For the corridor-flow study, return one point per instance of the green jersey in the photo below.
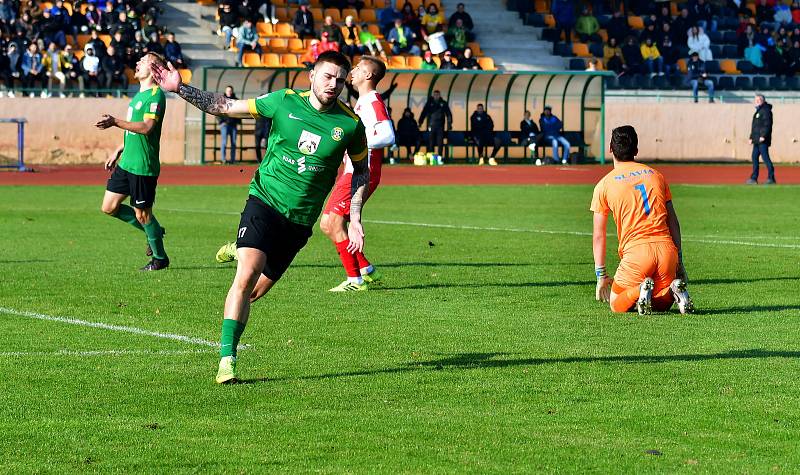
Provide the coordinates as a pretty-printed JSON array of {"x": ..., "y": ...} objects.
[
  {"x": 140, "y": 153},
  {"x": 304, "y": 151}
]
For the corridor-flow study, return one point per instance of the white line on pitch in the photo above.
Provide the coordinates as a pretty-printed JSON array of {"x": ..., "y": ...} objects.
[
  {"x": 106, "y": 326},
  {"x": 686, "y": 238},
  {"x": 104, "y": 353}
]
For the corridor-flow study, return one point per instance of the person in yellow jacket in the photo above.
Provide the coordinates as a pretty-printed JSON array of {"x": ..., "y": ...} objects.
[
  {"x": 53, "y": 63},
  {"x": 352, "y": 42},
  {"x": 652, "y": 58}
]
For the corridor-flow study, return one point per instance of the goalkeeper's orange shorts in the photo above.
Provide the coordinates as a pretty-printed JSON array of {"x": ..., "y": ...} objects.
[{"x": 657, "y": 260}]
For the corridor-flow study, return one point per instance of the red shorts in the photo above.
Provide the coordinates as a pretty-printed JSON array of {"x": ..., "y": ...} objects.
[{"x": 339, "y": 200}]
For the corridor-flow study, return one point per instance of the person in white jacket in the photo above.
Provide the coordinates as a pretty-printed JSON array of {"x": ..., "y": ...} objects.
[{"x": 699, "y": 43}]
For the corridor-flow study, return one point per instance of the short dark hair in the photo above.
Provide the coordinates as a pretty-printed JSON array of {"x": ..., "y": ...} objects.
[
  {"x": 378, "y": 67},
  {"x": 334, "y": 57},
  {"x": 624, "y": 143}
]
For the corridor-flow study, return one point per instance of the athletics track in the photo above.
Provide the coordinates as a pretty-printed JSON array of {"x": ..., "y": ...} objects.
[{"x": 410, "y": 175}]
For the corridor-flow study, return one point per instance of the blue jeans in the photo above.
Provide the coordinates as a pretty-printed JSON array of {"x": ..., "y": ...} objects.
[
  {"x": 655, "y": 65},
  {"x": 763, "y": 150},
  {"x": 242, "y": 46},
  {"x": 707, "y": 82},
  {"x": 228, "y": 131},
  {"x": 703, "y": 24},
  {"x": 228, "y": 35},
  {"x": 555, "y": 141}
]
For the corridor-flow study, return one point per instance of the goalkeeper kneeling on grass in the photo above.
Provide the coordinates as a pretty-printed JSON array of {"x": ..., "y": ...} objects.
[{"x": 651, "y": 275}]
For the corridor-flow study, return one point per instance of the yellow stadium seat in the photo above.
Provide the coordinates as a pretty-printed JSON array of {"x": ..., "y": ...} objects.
[
  {"x": 350, "y": 12},
  {"x": 264, "y": 29},
  {"x": 604, "y": 35},
  {"x": 486, "y": 63},
  {"x": 540, "y": 6},
  {"x": 105, "y": 38},
  {"x": 397, "y": 62},
  {"x": 285, "y": 30},
  {"x": 581, "y": 50},
  {"x": 414, "y": 62},
  {"x": 280, "y": 3},
  {"x": 682, "y": 65},
  {"x": 68, "y": 6},
  {"x": 296, "y": 45},
  {"x": 186, "y": 75},
  {"x": 278, "y": 45},
  {"x": 283, "y": 14},
  {"x": 289, "y": 60},
  {"x": 476, "y": 48},
  {"x": 264, "y": 42},
  {"x": 375, "y": 30},
  {"x": 549, "y": 20},
  {"x": 728, "y": 66},
  {"x": 318, "y": 16},
  {"x": 368, "y": 15},
  {"x": 333, "y": 13},
  {"x": 636, "y": 22},
  {"x": 437, "y": 60},
  {"x": 271, "y": 60},
  {"x": 84, "y": 7},
  {"x": 251, "y": 60}
]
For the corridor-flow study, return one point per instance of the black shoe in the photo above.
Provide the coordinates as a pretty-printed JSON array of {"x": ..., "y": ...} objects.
[
  {"x": 149, "y": 252},
  {"x": 156, "y": 264},
  {"x": 770, "y": 182}
]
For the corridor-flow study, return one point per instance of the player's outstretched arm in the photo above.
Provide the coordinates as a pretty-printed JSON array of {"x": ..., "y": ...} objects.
[
  {"x": 675, "y": 231},
  {"x": 142, "y": 128},
  {"x": 358, "y": 189},
  {"x": 169, "y": 79},
  {"x": 602, "y": 291}
]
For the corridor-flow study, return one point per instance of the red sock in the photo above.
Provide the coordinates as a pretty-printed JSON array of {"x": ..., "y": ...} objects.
[
  {"x": 362, "y": 260},
  {"x": 349, "y": 260}
]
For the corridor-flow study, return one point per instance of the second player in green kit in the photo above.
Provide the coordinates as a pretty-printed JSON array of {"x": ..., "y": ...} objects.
[{"x": 311, "y": 132}]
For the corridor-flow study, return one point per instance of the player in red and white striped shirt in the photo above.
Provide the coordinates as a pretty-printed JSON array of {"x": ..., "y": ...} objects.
[{"x": 380, "y": 133}]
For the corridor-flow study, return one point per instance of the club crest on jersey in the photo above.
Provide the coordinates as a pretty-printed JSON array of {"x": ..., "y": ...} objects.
[
  {"x": 337, "y": 133},
  {"x": 308, "y": 143},
  {"x": 138, "y": 105}
]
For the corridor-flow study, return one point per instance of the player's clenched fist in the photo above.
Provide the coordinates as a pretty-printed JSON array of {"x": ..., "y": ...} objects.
[{"x": 603, "y": 290}]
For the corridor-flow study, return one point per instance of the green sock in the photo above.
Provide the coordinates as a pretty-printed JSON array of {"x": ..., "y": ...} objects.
[
  {"x": 154, "y": 238},
  {"x": 127, "y": 214},
  {"x": 231, "y": 332}
]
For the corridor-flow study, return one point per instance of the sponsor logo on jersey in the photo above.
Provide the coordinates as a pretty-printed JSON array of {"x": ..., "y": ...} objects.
[
  {"x": 154, "y": 107},
  {"x": 301, "y": 164},
  {"x": 294, "y": 117},
  {"x": 337, "y": 133},
  {"x": 308, "y": 143},
  {"x": 138, "y": 105}
]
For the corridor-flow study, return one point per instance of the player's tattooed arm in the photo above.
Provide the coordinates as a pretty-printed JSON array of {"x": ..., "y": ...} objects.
[
  {"x": 213, "y": 103},
  {"x": 360, "y": 182}
]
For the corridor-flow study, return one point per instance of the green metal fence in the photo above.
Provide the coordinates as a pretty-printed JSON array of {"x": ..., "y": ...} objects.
[{"x": 576, "y": 97}]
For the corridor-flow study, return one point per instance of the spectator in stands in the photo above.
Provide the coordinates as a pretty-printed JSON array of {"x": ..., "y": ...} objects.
[
  {"x": 369, "y": 41},
  {"x": 612, "y": 56},
  {"x": 402, "y": 39},
  {"x": 761, "y": 139},
  {"x": 796, "y": 12},
  {"x": 702, "y": 15},
  {"x": 773, "y": 61},
  {"x": 551, "y": 126},
  {"x": 117, "y": 42},
  {"x": 150, "y": 28},
  {"x": 591, "y": 65},
  {"x": 354, "y": 4},
  {"x": 12, "y": 72},
  {"x": 138, "y": 49},
  {"x": 437, "y": 111},
  {"x": 98, "y": 45},
  {"x": 482, "y": 130},
  {"x": 650, "y": 32},
  {"x": 564, "y": 13},
  {"x": 248, "y": 10},
  {"x": 681, "y": 26},
  {"x": 92, "y": 17},
  {"x": 666, "y": 32},
  {"x": 334, "y": 31},
  {"x": 663, "y": 15},
  {"x": 228, "y": 21},
  {"x": 432, "y": 22},
  {"x": 755, "y": 55},
  {"x": 529, "y": 133},
  {"x": 632, "y": 54},
  {"x": 387, "y": 19},
  {"x": 793, "y": 59},
  {"x": 173, "y": 53},
  {"x": 7, "y": 16},
  {"x": 587, "y": 27},
  {"x": 352, "y": 42},
  {"x": 326, "y": 44},
  {"x": 32, "y": 70},
  {"x": 699, "y": 43},
  {"x": 670, "y": 55},
  {"x": 447, "y": 62},
  {"x": 113, "y": 71},
  {"x": 311, "y": 55},
  {"x": 783, "y": 14},
  {"x": 746, "y": 39},
  {"x": 408, "y": 135},
  {"x": 617, "y": 27},
  {"x": 53, "y": 65},
  {"x": 303, "y": 23},
  {"x": 108, "y": 17},
  {"x": 652, "y": 58},
  {"x": 466, "y": 21},
  {"x": 468, "y": 61},
  {"x": 457, "y": 37},
  {"x": 154, "y": 45},
  {"x": 428, "y": 64},
  {"x": 248, "y": 40},
  {"x": 411, "y": 19},
  {"x": 91, "y": 69},
  {"x": 696, "y": 71},
  {"x": 71, "y": 66},
  {"x": 125, "y": 27},
  {"x": 266, "y": 11},
  {"x": 765, "y": 14},
  {"x": 228, "y": 128},
  {"x": 50, "y": 29}
]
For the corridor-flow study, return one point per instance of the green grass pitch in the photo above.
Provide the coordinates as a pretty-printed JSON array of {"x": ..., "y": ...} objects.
[{"x": 485, "y": 352}]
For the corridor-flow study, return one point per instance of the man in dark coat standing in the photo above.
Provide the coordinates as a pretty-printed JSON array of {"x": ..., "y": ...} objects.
[
  {"x": 761, "y": 139},
  {"x": 437, "y": 112}
]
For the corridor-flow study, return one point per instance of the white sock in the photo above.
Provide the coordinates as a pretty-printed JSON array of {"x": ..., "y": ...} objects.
[
  {"x": 357, "y": 280},
  {"x": 367, "y": 270}
]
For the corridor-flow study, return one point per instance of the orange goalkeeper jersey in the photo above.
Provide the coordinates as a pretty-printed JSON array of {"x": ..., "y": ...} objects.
[{"x": 637, "y": 196}]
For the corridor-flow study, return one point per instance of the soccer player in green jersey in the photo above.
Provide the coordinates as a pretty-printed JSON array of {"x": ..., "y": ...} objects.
[
  {"x": 135, "y": 163},
  {"x": 311, "y": 131}
]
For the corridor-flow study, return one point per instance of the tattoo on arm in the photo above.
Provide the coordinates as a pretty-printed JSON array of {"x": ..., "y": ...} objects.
[
  {"x": 359, "y": 187},
  {"x": 213, "y": 103}
]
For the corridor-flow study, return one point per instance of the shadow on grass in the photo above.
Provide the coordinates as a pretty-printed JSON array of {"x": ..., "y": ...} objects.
[
  {"x": 740, "y": 280},
  {"x": 502, "y": 360},
  {"x": 25, "y": 261},
  {"x": 488, "y": 265},
  {"x": 747, "y": 309},
  {"x": 252, "y": 381},
  {"x": 569, "y": 283}
]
